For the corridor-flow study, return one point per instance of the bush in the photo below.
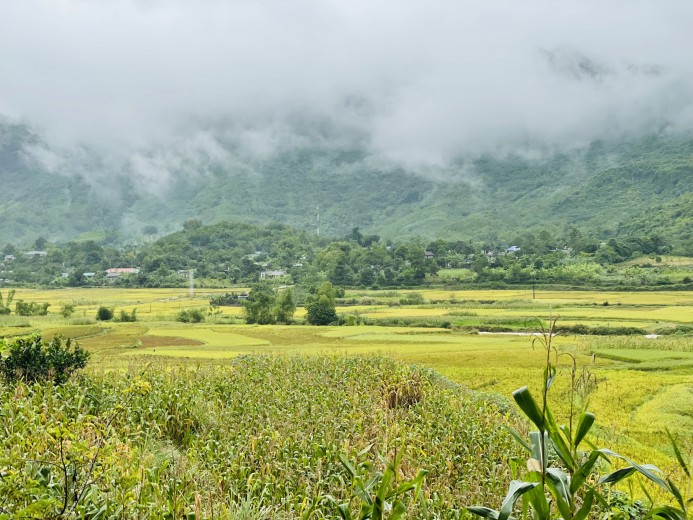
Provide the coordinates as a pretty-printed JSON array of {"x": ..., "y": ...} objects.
[
  {"x": 67, "y": 310},
  {"x": 320, "y": 313},
  {"x": 128, "y": 317},
  {"x": 31, "y": 309},
  {"x": 600, "y": 330},
  {"x": 104, "y": 314},
  {"x": 191, "y": 316},
  {"x": 34, "y": 360}
]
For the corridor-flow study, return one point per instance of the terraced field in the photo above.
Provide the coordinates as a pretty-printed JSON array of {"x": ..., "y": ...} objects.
[{"x": 642, "y": 385}]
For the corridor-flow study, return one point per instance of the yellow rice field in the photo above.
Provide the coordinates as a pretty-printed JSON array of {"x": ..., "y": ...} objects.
[{"x": 644, "y": 385}]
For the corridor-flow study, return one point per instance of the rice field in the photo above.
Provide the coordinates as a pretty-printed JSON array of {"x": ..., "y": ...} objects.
[{"x": 643, "y": 385}]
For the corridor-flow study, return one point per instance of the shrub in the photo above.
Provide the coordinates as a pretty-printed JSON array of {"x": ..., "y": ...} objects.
[
  {"x": 67, "y": 310},
  {"x": 31, "y": 309},
  {"x": 34, "y": 360},
  {"x": 190, "y": 316},
  {"x": 318, "y": 313},
  {"x": 128, "y": 317},
  {"x": 226, "y": 299},
  {"x": 104, "y": 314}
]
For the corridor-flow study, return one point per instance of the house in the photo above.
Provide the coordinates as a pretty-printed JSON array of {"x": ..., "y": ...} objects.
[
  {"x": 35, "y": 254},
  {"x": 87, "y": 275},
  {"x": 429, "y": 255},
  {"x": 9, "y": 258},
  {"x": 513, "y": 249},
  {"x": 116, "y": 272},
  {"x": 267, "y": 275}
]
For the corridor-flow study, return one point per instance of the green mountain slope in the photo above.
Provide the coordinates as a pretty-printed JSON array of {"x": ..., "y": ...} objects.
[{"x": 609, "y": 189}]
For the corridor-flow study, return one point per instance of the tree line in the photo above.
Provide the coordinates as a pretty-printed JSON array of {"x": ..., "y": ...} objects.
[{"x": 226, "y": 253}]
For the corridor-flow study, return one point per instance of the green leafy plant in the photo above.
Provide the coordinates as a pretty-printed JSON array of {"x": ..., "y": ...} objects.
[
  {"x": 34, "y": 360},
  {"x": 191, "y": 316},
  {"x": 104, "y": 314},
  {"x": 6, "y": 302},
  {"x": 379, "y": 494},
  {"x": 127, "y": 316},
  {"x": 67, "y": 310},
  {"x": 570, "y": 481},
  {"x": 22, "y": 308}
]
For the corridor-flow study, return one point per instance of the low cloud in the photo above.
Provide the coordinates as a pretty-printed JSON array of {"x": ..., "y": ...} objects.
[{"x": 160, "y": 86}]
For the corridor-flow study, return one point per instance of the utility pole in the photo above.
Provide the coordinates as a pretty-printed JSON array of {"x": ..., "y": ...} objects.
[
  {"x": 318, "y": 220},
  {"x": 191, "y": 279}
]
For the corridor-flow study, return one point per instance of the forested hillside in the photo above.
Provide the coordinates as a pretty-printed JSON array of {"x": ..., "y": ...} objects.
[{"x": 610, "y": 189}]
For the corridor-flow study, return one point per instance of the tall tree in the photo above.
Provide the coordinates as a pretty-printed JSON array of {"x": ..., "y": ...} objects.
[
  {"x": 321, "y": 307},
  {"x": 285, "y": 307},
  {"x": 260, "y": 304}
]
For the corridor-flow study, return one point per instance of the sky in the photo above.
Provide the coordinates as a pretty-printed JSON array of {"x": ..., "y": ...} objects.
[{"x": 419, "y": 82}]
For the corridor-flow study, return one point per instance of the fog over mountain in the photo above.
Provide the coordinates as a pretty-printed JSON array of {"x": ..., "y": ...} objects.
[
  {"x": 405, "y": 117},
  {"x": 418, "y": 82}
]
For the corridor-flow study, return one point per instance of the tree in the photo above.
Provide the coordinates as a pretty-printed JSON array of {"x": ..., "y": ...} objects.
[
  {"x": 10, "y": 249},
  {"x": 285, "y": 306},
  {"x": 260, "y": 304},
  {"x": 5, "y": 305},
  {"x": 321, "y": 307},
  {"x": 104, "y": 314},
  {"x": 33, "y": 360},
  {"x": 40, "y": 243}
]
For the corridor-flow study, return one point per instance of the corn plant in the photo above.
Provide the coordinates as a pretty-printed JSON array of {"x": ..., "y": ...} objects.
[
  {"x": 569, "y": 489},
  {"x": 379, "y": 493}
]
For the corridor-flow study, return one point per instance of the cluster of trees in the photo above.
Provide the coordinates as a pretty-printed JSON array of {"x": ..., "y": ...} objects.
[
  {"x": 233, "y": 253},
  {"x": 21, "y": 308},
  {"x": 266, "y": 305}
]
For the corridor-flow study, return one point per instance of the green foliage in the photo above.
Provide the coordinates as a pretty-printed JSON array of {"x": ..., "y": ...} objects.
[
  {"x": 259, "y": 307},
  {"x": 600, "y": 331},
  {"x": 380, "y": 494},
  {"x": 34, "y": 360},
  {"x": 226, "y": 299},
  {"x": 127, "y": 316},
  {"x": 569, "y": 480},
  {"x": 191, "y": 315},
  {"x": 31, "y": 308},
  {"x": 263, "y": 436},
  {"x": 285, "y": 307},
  {"x": 320, "y": 307},
  {"x": 5, "y": 303},
  {"x": 104, "y": 314},
  {"x": 67, "y": 310}
]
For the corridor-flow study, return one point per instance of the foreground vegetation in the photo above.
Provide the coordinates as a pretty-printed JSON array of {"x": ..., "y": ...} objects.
[
  {"x": 180, "y": 416},
  {"x": 265, "y": 433}
]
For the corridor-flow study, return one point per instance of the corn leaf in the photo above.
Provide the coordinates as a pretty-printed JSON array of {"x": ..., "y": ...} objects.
[
  {"x": 647, "y": 470},
  {"x": 584, "y": 425},
  {"x": 677, "y": 452},
  {"x": 484, "y": 512},
  {"x": 586, "y": 506},
  {"x": 583, "y": 472},
  {"x": 517, "y": 438},
  {"x": 529, "y": 406},
  {"x": 516, "y": 490},
  {"x": 667, "y": 513},
  {"x": 559, "y": 484}
]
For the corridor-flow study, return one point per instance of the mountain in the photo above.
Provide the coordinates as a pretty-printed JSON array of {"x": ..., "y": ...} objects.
[{"x": 608, "y": 189}]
